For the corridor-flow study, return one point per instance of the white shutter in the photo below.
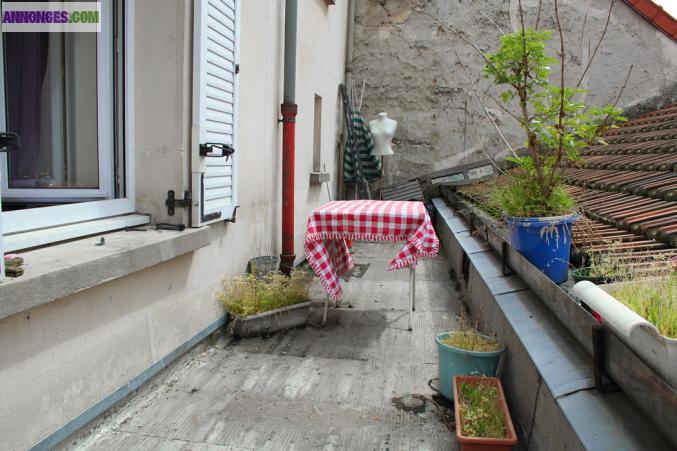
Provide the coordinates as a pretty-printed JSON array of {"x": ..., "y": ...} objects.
[{"x": 215, "y": 100}]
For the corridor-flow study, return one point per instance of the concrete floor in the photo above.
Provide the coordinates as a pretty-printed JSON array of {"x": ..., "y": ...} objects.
[{"x": 308, "y": 388}]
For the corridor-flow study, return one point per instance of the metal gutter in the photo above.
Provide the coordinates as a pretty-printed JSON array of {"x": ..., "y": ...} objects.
[
  {"x": 641, "y": 383},
  {"x": 547, "y": 375}
]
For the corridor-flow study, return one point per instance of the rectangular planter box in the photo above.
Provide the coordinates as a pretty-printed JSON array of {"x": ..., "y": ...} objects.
[
  {"x": 273, "y": 321},
  {"x": 480, "y": 443}
]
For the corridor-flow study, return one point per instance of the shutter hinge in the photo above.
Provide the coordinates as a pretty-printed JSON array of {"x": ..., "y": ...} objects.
[
  {"x": 172, "y": 202},
  {"x": 237, "y": 69}
]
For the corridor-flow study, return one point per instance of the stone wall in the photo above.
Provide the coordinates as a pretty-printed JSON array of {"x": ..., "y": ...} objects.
[{"x": 408, "y": 62}]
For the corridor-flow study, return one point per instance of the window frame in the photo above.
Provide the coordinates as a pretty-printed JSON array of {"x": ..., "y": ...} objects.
[
  {"x": 105, "y": 134},
  {"x": 18, "y": 221}
]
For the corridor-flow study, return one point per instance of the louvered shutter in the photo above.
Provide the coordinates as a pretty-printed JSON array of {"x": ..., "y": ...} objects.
[{"x": 215, "y": 100}]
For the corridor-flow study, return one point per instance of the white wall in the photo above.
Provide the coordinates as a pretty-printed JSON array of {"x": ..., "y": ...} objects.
[
  {"x": 59, "y": 359},
  {"x": 320, "y": 70},
  {"x": 320, "y": 66}
]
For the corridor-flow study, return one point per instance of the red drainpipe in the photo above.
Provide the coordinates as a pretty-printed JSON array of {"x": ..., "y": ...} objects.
[
  {"x": 288, "y": 153},
  {"x": 288, "y": 109}
]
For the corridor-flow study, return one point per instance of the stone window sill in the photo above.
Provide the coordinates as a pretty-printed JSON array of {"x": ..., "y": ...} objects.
[{"x": 58, "y": 271}]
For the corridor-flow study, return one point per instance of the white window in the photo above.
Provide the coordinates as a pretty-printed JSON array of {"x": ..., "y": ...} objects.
[
  {"x": 68, "y": 97},
  {"x": 215, "y": 110},
  {"x": 58, "y": 96}
]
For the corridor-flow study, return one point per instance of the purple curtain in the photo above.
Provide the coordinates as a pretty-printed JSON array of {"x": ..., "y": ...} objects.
[{"x": 25, "y": 67}]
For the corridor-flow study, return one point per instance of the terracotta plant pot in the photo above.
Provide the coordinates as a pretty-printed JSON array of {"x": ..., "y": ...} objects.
[{"x": 481, "y": 443}]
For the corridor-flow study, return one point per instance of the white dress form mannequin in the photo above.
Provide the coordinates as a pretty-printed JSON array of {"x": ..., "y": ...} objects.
[{"x": 382, "y": 130}]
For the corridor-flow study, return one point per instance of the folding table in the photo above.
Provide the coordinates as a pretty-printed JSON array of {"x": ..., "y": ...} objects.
[{"x": 330, "y": 225}]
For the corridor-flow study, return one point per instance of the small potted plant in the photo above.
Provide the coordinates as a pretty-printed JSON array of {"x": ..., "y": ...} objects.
[
  {"x": 614, "y": 264},
  {"x": 538, "y": 210},
  {"x": 465, "y": 353},
  {"x": 602, "y": 267},
  {"x": 263, "y": 304},
  {"x": 482, "y": 418}
]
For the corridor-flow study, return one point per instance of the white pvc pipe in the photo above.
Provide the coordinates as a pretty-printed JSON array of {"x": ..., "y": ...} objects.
[{"x": 612, "y": 311}]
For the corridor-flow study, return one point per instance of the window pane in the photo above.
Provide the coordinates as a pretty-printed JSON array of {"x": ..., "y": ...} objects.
[{"x": 51, "y": 92}]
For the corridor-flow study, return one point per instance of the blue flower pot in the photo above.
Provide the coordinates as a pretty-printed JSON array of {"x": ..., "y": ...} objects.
[
  {"x": 545, "y": 242},
  {"x": 455, "y": 361}
]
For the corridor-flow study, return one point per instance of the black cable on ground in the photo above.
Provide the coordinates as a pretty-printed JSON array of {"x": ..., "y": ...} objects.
[{"x": 441, "y": 404}]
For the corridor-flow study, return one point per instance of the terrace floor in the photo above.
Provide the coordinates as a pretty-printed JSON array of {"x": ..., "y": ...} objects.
[{"x": 333, "y": 387}]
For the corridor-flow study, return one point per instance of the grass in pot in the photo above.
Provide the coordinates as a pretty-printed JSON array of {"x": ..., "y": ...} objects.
[
  {"x": 260, "y": 297},
  {"x": 604, "y": 267},
  {"x": 482, "y": 417},
  {"x": 610, "y": 262},
  {"x": 465, "y": 353},
  {"x": 537, "y": 208}
]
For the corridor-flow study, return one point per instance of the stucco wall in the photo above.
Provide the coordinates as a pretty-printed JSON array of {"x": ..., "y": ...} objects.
[
  {"x": 411, "y": 72},
  {"x": 61, "y": 358}
]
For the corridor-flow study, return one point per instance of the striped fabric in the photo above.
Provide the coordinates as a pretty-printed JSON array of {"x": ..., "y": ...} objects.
[{"x": 368, "y": 166}]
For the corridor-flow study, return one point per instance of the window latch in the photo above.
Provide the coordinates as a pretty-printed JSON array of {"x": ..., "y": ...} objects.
[
  {"x": 226, "y": 150},
  {"x": 9, "y": 141},
  {"x": 172, "y": 202}
]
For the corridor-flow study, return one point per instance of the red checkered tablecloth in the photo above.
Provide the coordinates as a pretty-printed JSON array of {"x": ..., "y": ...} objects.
[{"x": 369, "y": 220}]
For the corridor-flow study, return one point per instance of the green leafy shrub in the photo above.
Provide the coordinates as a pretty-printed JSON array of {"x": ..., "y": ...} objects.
[
  {"x": 247, "y": 295},
  {"x": 556, "y": 124}
]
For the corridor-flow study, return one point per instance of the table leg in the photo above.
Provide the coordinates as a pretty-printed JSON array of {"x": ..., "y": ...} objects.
[
  {"x": 413, "y": 289},
  {"x": 324, "y": 315},
  {"x": 412, "y": 292}
]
